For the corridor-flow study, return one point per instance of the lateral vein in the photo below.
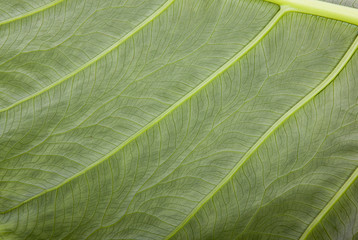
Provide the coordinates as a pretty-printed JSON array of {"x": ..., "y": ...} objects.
[
  {"x": 223, "y": 68},
  {"x": 252, "y": 44},
  {"x": 98, "y": 57},
  {"x": 34, "y": 11},
  {"x": 272, "y": 129},
  {"x": 330, "y": 204},
  {"x": 323, "y": 9}
]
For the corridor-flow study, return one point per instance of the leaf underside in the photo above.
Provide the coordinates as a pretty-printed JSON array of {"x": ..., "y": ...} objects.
[
  {"x": 178, "y": 119},
  {"x": 348, "y": 3}
]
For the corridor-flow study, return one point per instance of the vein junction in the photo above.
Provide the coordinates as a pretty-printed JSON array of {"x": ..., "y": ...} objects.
[
  {"x": 286, "y": 6},
  {"x": 323, "y": 9}
]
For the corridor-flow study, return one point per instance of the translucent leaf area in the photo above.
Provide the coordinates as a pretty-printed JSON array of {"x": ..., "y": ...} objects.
[{"x": 178, "y": 119}]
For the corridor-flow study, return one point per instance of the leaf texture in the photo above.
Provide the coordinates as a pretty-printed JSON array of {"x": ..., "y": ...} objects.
[
  {"x": 348, "y": 3},
  {"x": 177, "y": 119}
]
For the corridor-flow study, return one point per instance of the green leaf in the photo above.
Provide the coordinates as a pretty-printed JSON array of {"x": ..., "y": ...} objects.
[
  {"x": 181, "y": 119},
  {"x": 348, "y": 3}
]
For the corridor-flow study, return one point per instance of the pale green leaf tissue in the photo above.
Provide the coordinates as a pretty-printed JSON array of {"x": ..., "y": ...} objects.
[{"x": 179, "y": 119}]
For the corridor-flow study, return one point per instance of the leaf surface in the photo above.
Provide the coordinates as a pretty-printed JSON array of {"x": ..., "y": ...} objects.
[
  {"x": 178, "y": 119},
  {"x": 348, "y": 3}
]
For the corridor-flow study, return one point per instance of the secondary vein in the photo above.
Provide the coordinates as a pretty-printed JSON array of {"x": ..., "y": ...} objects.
[
  {"x": 223, "y": 68},
  {"x": 273, "y": 128},
  {"x": 330, "y": 204},
  {"x": 252, "y": 44},
  {"x": 323, "y": 9},
  {"x": 98, "y": 57},
  {"x": 34, "y": 11}
]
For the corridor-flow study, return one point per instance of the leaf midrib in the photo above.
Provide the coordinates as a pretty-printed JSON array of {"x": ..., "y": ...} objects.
[
  {"x": 306, "y": 99},
  {"x": 323, "y": 9},
  {"x": 247, "y": 48}
]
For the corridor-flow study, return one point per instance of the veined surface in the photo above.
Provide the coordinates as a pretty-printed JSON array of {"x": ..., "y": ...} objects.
[
  {"x": 177, "y": 119},
  {"x": 348, "y": 3}
]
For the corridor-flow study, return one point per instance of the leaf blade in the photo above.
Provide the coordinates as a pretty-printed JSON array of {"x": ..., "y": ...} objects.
[{"x": 147, "y": 188}]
